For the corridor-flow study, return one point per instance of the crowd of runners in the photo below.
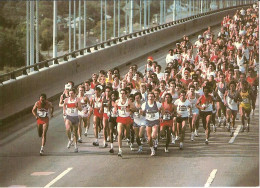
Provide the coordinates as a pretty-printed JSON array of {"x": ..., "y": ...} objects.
[{"x": 214, "y": 80}]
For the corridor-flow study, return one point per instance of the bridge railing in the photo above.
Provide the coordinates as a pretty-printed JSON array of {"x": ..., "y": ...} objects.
[{"x": 64, "y": 58}]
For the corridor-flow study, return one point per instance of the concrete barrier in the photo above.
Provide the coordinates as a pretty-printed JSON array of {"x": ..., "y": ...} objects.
[{"x": 17, "y": 95}]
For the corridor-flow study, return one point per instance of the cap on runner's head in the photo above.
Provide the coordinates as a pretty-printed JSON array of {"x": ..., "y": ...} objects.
[
  {"x": 199, "y": 36},
  {"x": 68, "y": 86},
  {"x": 150, "y": 58}
]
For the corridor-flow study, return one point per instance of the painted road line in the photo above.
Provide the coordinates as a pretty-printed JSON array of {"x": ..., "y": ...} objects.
[
  {"x": 235, "y": 134},
  {"x": 211, "y": 178},
  {"x": 41, "y": 173},
  {"x": 58, "y": 177}
]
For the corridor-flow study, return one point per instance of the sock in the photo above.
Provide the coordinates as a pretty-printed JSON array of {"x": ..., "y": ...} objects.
[
  {"x": 104, "y": 142},
  {"x": 151, "y": 148},
  {"x": 41, "y": 147},
  {"x": 112, "y": 146},
  {"x": 219, "y": 119},
  {"x": 96, "y": 139}
]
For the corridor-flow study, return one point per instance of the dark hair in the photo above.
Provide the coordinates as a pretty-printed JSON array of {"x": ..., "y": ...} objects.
[
  {"x": 87, "y": 82},
  {"x": 191, "y": 86},
  {"x": 107, "y": 87},
  {"x": 232, "y": 82},
  {"x": 169, "y": 96},
  {"x": 115, "y": 93},
  {"x": 97, "y": 87},
  {"x": 151, "y": 93},
  {"x": 138, "y": 93},
  {"x": 43, "y": 95},
  {"x": 73, "y": 89},
  {"x": 183, "y": 91},
  {"x": 128, "y": 90}
]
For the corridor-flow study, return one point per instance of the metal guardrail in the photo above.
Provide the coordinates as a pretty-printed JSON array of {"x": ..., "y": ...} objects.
[{"x": 45, "y": 64}]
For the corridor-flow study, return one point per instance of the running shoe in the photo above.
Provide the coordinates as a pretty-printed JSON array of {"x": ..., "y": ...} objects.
[
  {"x": 111, "y": 150},
  {"x": 86, "y": 133},
  {"x": 228, "y": 127},
  {"x": 132, "y": 147},
  {"x": 219, "y": 123},
  {"x": 127, "y": 142},
  {"x": 173, "y": 139},
  {"x": 41, "y": 151},
  {"x": 105, "y": 145},
  {"x": 69, "y": 144},
  {"x": 155, "y": 144},
  {"x": 214, "y": 128},
  {"x": 153, "y": 152},
  {"x": 95, "y": 144},
  {"x": 192, "y": 136},
  {"x": 166, "y": 150},
  {"x": 120, "y": 153},
  {"x": 231, "y": 132},
  {"x": 196, "y": 133},
  {"x": 140, "y": 149},
  {"x": 177, "y": 138},
  {"x": 207, "y": 141},
  {"x": 76, "y": 150},
  {"x": 181, "y": 145},
  {"x": 242, "y": 129},
  {"x": 80, "y": 140}
]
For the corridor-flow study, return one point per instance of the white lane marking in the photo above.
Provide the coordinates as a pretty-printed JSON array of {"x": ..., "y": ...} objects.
[
  {"x": 235, "y": 134},
  {"x": 58, "y": 177},
  {"x": 41, "y": 173},
  {"x": 211, "y": 178}
]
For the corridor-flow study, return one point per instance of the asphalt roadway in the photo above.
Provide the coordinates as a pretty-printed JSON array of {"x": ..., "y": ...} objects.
[{"x": 226, "y": 161}]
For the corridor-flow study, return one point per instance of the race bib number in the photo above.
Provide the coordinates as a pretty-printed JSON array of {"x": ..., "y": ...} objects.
[
  {"x": 42, "y": 114},
  {"x": 97, "y": 105},
  {"x": 106, "y": 110},
  {"x": 182, "y": 108},
  {"x": 71, "y": 110},
  {"x": 167, "y": 117},
  {"x": 122, "y": 111},
  {"x": 150, "y": 115},
  {"x": 245, "y": 100}
]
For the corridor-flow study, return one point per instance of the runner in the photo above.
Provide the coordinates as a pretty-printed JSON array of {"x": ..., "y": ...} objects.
[
  {"x": 151, "y": 109},
  {"x": 252, "y": 79},
  {"x": 139, "y": 121},
  {"x": 206, "y": 105},
  {"x": 70, "y": 109},
  {"x": 112, "y": 119},
  {"x": 231, "y": 99},
  {"x": 183, "y": 108},
  {"x": 96, "y": 103},
  {"x": 106, "y": 101},
  {"x": 123, "y": 106},
  {"x": 245, "y": 105},
  {"x": 221, "y": 89},
  {"x": 89, "y": 92},
  {"x": 85, "y": 113},
  {"x": 41, "y": 112},
  {"x": 193, "y": 97},
  {"x": 167, "y": 119}
]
